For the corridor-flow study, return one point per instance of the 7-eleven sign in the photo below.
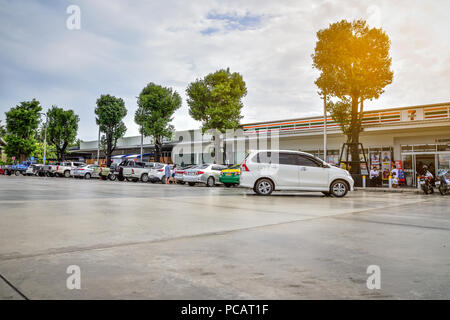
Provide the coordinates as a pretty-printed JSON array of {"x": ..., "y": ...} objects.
[{"x": 412, "y": 114}]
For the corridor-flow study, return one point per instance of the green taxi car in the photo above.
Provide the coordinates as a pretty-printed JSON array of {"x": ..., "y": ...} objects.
[{"x": 230, "y": 176}]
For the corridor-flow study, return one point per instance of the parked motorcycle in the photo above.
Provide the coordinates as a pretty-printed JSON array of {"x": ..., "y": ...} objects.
[
  {"x": 443, "y": 183},
  {"x": 426, "y": 185}
]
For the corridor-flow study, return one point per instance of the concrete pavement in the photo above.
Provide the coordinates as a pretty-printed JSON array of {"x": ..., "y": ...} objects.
[{"x": 152, "y": 241}]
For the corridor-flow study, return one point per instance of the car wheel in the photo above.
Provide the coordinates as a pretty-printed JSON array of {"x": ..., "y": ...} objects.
[
  {"x": 227, "y": 185},
  {"x": 16, "y": 173},
  {"x": 264, "y": 187},
  {"x": 67, "y": 174},
  {"x": 144, "y": 177},
  {"x": 191, "y": 184},
  {"x": 210, "y": 182},
  {"x": 339, "y": 189},
  {"x": 87, "y": 176},
  {"x": 112, "y": 177}
]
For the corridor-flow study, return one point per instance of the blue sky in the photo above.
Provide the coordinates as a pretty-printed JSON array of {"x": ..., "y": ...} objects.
[{"x": 123, "y": 45}]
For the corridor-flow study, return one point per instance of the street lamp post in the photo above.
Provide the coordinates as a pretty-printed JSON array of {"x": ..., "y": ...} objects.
[
  {"x": 45, "y": 138},
  {"x": 325, "y": 126},
  {"x": 98, "y": 146}
]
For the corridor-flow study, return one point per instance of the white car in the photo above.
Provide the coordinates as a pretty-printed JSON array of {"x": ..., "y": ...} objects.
[
  {"x": 64, "y": 169},
  {"x": 208, "y": 174},
  {"x": 265, "y": 171},
  {"x": 86, "y": 172},
  {"x": 157, "y": 173}
]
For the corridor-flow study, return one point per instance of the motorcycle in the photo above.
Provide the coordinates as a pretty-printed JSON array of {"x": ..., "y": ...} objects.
[
  {"x": 443, "y": 183},
  {"x": 426, "y": 185}
]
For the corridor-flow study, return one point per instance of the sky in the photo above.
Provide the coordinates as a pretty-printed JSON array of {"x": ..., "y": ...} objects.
[{"x": 122, "y": 45}]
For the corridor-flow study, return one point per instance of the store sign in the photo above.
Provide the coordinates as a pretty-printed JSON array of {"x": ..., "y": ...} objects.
[{"x": 412, "y": 115}]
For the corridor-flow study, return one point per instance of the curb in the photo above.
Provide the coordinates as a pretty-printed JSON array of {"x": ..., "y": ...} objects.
[{"x": 392, "y": 190}]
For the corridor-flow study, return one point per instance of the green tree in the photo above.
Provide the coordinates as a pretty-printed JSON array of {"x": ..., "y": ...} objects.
[
  {"x": 22, "y": 123},
  {"x": 39, "y": 151},
  {"x": 110, "y": 111},
  {"x": 156, "y": 106},
  {"x": 355, "y": 64},
  {"x": 2, "y": 129},
  {"x": 62, "y": 128},
  {"x": 216, "y": 100}
]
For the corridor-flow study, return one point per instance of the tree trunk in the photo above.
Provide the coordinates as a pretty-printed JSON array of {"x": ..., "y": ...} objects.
[
  {"x": 158, "y": 147},
  {"x": 354, "y": 149}
]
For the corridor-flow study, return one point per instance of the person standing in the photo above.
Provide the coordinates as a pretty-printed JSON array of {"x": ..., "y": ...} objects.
[
  {"x": 374, "y": 176},
  {"x": 394, "y": 175},
  {"x": 167, "y": 173}
]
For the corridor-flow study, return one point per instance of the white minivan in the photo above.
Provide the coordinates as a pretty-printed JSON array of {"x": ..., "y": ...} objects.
[{"x": 267, "y": 170}]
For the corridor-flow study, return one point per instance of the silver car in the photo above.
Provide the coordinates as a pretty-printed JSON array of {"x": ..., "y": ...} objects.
[
  {"x": 86, "y": 172},
  {"x": 204, "y": 173}
]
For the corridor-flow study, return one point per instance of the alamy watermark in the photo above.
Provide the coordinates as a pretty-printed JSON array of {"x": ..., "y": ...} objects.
[
  {"x": 73, "y": 21},
  {"x": 374, "y": 280},
  {"x": 74, "y": 280}
]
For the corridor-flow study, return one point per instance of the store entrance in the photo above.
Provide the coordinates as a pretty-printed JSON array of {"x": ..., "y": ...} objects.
[{"x": 428, "y": 160}]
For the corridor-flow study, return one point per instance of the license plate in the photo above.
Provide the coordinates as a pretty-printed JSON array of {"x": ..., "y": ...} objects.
[
  {"x": 437, "y": 183},
  {"x": 192, "y": 173},
  {"x": 228, "y": 174}
]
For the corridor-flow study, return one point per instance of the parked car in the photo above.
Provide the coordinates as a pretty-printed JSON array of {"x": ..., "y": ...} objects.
[
  {"x": 2, "y": 170},
  {"x": 180, "y": 172},
  {"x": 20, "y": 168},
  {"x": 52, "y": 170},
  {"x": 157, "y": 173},
  {"x": 86, "y": 172},
  {"x": 208, "y": 174},
  {"x": 119, "y": 172},
  {"x": 230, "y": 176},
  {"x": 64, "y": 168},
  {"x": 44, "y": 170},
  {"x": 6, "y": 169},
  {"x": 32, "y": 170},
  {"x": 141, "y": 171},
  {"x": 265, "y": 171}
]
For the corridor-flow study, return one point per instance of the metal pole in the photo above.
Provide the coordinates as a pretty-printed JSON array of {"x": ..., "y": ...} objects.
[
  {"x": 45, "y": 142},
  {"x": 98, "y": 146},
  {"x": 142, "y": 145},
  {"x": 325, "y": 127}
]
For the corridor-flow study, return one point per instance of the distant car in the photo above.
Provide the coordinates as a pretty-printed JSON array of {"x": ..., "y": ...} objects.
[
  {"x": 64, "y": 168},
  {"x": 20, "y": 168},
  {"x": 230, "y": 176},
  {"x": 2, "y": 171},
  {"x": 32, "y": 170},
  {"x": 119, "y": 172},
  {"x": 44, "y": 170},
  {"x": 86, "y": 172},
  {"x": 157, "y": 173},
  {"x": 208, "y": 174},
  {"x": 141, "y": 171},
  {"x": 180, "y": 172},
  {"x": 267, "y": 170}
]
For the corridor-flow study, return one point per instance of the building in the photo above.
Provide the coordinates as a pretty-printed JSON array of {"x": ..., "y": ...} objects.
[{"x": 413, "y": 136}]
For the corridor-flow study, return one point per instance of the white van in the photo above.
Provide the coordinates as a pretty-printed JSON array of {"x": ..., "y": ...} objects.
[{"x": 267, "y": 170}]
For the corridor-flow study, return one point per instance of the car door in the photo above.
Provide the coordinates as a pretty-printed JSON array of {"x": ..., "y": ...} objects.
[
  {"x": 312, "y": 174},
  {"x": 280, "y": 166}
]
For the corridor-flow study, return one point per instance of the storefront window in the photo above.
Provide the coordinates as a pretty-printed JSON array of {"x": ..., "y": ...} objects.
[
  {"x": 443, "y": 147},
  {"x": 444, "y": 161}
]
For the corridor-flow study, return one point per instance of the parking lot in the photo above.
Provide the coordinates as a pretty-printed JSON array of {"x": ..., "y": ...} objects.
[{"x": 154, "y": 241}]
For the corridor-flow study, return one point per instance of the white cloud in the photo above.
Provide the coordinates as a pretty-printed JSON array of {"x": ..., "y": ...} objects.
[{"x": 123, "y": 45}]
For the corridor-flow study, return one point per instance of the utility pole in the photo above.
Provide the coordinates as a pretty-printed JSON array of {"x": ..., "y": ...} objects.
[
  {"x": 142, "y": 145},
  {"x": 45, "y": 139},
  {"x": 325, "y": 126},
  {"x": 98, "y": 146}
]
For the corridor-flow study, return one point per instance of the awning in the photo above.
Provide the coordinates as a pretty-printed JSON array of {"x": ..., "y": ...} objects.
[
  {"x": 120, "y": 156},
  {"x": 131, "y": 156}
]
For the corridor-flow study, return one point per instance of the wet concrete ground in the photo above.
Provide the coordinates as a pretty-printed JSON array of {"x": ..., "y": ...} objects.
[{"x": 152, "y": 241}]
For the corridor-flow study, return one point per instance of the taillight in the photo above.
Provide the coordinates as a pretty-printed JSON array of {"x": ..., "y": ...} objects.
[
  {"x": 132, "y": 171},
  {"x": 81, "y": 169},
  {"x": 244, "y": 165},
  {"x": 160, "y": 170},
  {"x": 200, "y": 172},
  {"x": 57, "y": 167}
]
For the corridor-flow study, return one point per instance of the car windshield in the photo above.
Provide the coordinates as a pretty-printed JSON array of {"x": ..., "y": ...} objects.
[{"x": 201, "y": 166}]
